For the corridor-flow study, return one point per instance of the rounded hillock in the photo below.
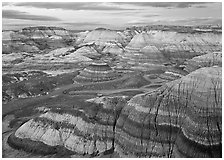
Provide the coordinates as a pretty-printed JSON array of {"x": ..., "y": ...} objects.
[
  {"x": 97, "y": 72},
  {"x": 86, "y": 131},
  {"x": 179, "y": 119}
]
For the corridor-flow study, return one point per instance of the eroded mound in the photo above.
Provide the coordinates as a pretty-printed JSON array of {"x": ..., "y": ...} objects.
[
  {"x": 84, "y": 131},
  {"x": 180, "y": 119},
  {"x": 171, "y": 45},
  {"x": 97, "y": 72}
]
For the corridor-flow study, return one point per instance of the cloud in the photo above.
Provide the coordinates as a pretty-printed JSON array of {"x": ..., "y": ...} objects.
[
  {"x": 83, "y": 23},
  {"x": 12, "y": 14},
  {"x": 5, "y": 3},
  {"x": 164, "y": 4},
  {"x": 200, "y": 21},
  {"x": 186, "y": 21},
  {"x": 192, "y": 21},
  {"x": 72, "y": 5}
]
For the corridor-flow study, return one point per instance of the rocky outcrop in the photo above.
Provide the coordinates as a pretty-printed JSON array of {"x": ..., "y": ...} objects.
[
  {"x": 180, "y": 119},
  {"x": 207, "y": 60},
  {"x": 97, "y": 72}
]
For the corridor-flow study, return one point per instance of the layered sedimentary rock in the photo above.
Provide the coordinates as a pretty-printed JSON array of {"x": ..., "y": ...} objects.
[
  {"x": 96, "y": 72},
  {"x": 180, "y": 119},
  {"x": 83, "y": 131},
  {"x": 141, "y": 52},
  {"x": 113, "y": 48},
  {"x": 179, "y": 29},
  {"x": 207, "y": 60},
  {"x": 14, "y": 58},
  {"x": 57, "y": 56},
  {"x": 65, "y": 54},
  {"x": 88, "y": 51},
  {"x": 42, "y": 32},
  {"x": 34, "y": 39},
  {"x": 100, "y": 36},
  {"x": 106, "y": 40},
  {"x": 9, "y": 46},
  {"x": 171, "y": 45}
]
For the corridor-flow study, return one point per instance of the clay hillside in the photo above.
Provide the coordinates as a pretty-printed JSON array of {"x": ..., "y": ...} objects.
[{"x": 141, "y": 92}]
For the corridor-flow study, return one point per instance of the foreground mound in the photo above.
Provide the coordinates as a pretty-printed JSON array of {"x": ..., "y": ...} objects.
[
  {"x": 180, "y": 119},
  {"x": 76, "y": 131}
]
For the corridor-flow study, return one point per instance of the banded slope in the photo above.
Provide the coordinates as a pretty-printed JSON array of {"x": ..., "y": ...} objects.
[
  {"x": 83, "y": 131},
  {"x": 171, "y": 45},
  {"x": 106, "y": 40},
  {"x": 181, "y": 119},
  {"x": 62, "y": 55},
  {"x": 207, "y": 60},
  {"x": 96, "y": 72}
]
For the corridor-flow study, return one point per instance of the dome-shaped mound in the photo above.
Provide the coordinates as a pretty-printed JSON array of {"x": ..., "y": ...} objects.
[
  {"x": 96, "y": 72},
  {"x": 141, "y": 52},
  {"x": 84, "y": 131},
  {"x": 180, "y": 119},
  {"x": 148, "y": 56},
  {"x": 139, "y": 41}
]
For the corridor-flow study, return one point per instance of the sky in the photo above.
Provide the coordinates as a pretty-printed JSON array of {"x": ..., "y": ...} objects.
[{"x": 113, "y": 15}]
